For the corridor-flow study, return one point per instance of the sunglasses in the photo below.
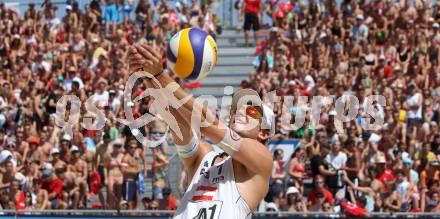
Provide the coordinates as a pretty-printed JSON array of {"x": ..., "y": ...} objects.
[
  {"x": 253, "y": 112},
  {"x": 11, "y": 146}
]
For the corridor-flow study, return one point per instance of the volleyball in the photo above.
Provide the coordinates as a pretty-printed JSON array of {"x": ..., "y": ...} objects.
[{"x": 192, "y": 54}]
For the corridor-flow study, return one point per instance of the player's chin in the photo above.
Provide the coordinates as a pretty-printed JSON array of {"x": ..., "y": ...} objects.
[{"x": 245, "y": 130}]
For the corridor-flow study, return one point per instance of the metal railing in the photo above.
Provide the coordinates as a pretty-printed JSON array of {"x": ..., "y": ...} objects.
[{"x": 167, "y": 214}]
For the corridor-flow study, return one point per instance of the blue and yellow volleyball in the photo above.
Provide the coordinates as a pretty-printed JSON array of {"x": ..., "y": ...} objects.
[{"x": 192, "y": 54}]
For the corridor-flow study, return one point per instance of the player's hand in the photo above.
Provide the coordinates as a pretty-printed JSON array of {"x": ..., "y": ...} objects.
[
  {"x": 146, "y": 58},
  {"x": 135, "y": 60}
]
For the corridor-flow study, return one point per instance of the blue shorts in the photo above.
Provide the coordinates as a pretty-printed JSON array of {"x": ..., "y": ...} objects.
[
  {"x": 157, "y": 193},
  {"x": 126, "y": 13},
  {"x": 110, "y": 13},
  {"x": 54, "y": 203},
  {"x": 129, "y": 189},
  {"x": 126, "y": 9},
  {"x": 414, "y": 121}
]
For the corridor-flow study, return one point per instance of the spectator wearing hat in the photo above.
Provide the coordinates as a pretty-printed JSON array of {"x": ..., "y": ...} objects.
[
  {"x": 72, "y": 77},
  {"x": 271, "y": 207},
  {"x": 12, "y": 147},
  {"x": 35, "y": 151},
  {"x": 9, "y": 172},
  {"x": 383, "y": 174},
  {"x": 348, "y": 55},
  {"x": 359, "y": 30},
  {"x": 78, "y": 167},
  {"x": 113, "y": 176},
  {"x": 130, "y": 169},
  {"x": 57, "y": 162},
  {"x": 295, "y": 201},
  {"x": 71, "y": 18},
  {"x": 16, "y": 194},
  {"x": 65, "y": 153},
  {"x": 54, "y": 187}
]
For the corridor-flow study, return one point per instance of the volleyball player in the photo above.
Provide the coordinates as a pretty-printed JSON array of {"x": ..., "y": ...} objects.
[{"x": 222, "y": 186}]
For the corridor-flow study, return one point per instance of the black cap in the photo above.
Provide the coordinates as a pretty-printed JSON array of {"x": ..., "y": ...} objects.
[
  {"x": 249, "y": 95},
  {"x": 166, "y": 191}
]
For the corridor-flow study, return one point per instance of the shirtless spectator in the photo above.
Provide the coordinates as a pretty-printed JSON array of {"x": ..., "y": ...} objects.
[
  {"x": 130, "y": 169},
  {"x": 22, "y": 144},
  {"x": 71, "y": 188},
  {"x": 57, "y": 163},
  {"x": 160, "y": 165},
  {"x": 102, "y": 150},
  {"x": 35, "y": 153},
  {"x": 42, "y": 197},
  {"x": 113, "y": 174},
  {"x": 12, "y": 147},
  {"x": 66, "y": 143},
  {"x": 310, "y": 48},
  {"x": 392, "y": 198},
  {"x": 16, "y": 194},
  {"x": 6, "y": 179},
  {"x": 78, "y": 167}
]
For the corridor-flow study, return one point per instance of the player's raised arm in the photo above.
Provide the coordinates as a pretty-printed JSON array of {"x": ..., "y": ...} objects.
[
  {"x": 249, "y": 152},
  {"x": 190, "y": 149}
]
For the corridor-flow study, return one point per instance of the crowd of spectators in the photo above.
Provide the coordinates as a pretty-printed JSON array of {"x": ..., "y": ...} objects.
[
  {"x": 312, "y": 48},
  {"x": 83, "y": 53},
  {"x": 357, "y": 48}
]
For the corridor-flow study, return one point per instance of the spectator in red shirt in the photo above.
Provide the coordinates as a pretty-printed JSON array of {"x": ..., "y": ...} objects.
[
  {"x": 383, "y": 70},
  {"x": 251, "y": 19},
  {"x": 54, "y": 187},
  {"x": 169, "y": 201},
  {"x": 384, "y": 175},
  {"x": 319, "y": 195}
]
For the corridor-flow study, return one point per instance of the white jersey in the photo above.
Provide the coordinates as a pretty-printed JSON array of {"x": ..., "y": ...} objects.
[{"x": 213, "y": 193}]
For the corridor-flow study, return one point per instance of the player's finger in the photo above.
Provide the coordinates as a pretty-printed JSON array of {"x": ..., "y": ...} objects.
[
  {"x": 154, "y": 51},
  {"x": 146, "y": 53},
  {"x": 136, "y": 56},
  {"x": 132, "y": 50},
  {"x": 136, "y": 61}
]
